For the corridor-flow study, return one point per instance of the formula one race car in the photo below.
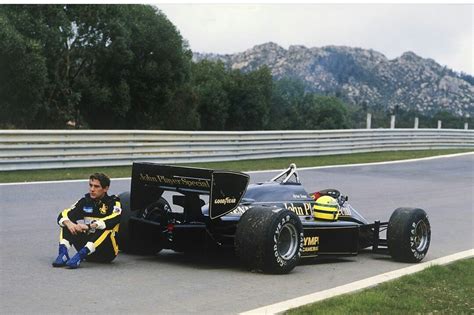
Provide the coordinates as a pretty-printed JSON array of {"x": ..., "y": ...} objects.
[{"x": 270, "y": 225}]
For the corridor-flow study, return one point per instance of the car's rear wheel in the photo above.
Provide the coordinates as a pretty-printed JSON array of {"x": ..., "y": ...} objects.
[
  {"x": 269, "y": 240},
  {"x": 408, "y": 234},
  {"x": 123, "y": 235},
  {"x": 134, "y": 242}
]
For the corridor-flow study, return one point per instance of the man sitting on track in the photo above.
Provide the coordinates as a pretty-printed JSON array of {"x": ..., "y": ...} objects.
[{"x": 90, "y": 226}]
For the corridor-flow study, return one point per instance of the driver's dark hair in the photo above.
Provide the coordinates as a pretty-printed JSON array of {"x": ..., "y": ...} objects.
[{"x": 102, "y": 178}]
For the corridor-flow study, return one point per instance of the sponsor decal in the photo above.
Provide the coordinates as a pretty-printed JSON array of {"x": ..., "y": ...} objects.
[
  {"x": 239, "y": 210},
  {"x": 225, "y": 201},
  {"x": 311, "y": 244},
  {"x": 302, "y": 209},
  {"x": 300, "y": 196},
  {"x": 311, "y": 240},
  {"x": 175, "y": 181},
  {"x": 343, "y": 211},
  {"x": 103, "y": 209},
  {"x": 88, "y": 209}
]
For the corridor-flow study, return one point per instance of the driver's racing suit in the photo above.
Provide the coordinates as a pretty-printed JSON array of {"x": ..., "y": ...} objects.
[{"x": 101, "y": 241}]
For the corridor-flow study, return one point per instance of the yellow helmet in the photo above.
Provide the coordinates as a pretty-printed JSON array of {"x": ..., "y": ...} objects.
[{"x": 326, "y": 208}]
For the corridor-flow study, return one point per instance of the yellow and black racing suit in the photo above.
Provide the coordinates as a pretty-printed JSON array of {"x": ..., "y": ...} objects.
[{"x": 100, "y": 241}]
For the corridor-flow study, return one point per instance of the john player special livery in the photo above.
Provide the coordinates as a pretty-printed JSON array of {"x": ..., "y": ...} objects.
[{"x": 270, "y": 225}]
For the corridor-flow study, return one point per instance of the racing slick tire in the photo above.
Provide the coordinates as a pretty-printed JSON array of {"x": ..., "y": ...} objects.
[
  {"x": 408, "y": 234},
  {"x": 127, "y": 242},
  {"x": 123, "y": 237},
  {"x": 269, "y": 240}
]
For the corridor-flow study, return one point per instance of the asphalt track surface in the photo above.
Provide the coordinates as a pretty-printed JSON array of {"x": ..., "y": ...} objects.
[{"x": 173, "y": 283}]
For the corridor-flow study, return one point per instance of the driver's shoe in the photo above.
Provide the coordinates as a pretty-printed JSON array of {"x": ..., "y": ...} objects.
[
  {"x": 75, "y": 261},
  {"x": 63, "y": 257}
]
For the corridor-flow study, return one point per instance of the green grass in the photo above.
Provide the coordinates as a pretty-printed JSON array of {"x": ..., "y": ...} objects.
[
  {"x": 248, "y": 165},
  {"x": 439, "y": 289}
]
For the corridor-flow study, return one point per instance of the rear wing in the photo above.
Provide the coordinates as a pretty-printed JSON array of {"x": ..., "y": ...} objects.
[{"x": 225, "y": 188}]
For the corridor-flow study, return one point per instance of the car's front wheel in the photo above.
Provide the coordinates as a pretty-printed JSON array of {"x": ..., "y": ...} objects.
[
  {"x": 408, "y": 234},
  {"x": 269, "y": 240}
]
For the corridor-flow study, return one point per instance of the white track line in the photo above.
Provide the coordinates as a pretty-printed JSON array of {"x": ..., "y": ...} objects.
[
  {"x": 264, "y": 171},
  {"x": 356, "y": 286},
  {"x": 59, "y": 181},
  {"x": 375, "y": 163}
]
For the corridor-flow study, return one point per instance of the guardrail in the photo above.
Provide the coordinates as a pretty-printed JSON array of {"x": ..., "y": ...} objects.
[{"x": 48, "y": 149}]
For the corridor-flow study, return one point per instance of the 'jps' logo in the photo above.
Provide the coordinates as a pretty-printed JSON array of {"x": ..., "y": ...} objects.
[{"x": 103, "y": 209}]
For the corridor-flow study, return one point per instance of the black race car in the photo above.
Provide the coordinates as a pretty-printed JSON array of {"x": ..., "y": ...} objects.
[{"x": 270, "y": 225}]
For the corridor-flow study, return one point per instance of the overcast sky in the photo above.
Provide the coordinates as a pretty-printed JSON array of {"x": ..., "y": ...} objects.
[{"x": 443, "y": 32}]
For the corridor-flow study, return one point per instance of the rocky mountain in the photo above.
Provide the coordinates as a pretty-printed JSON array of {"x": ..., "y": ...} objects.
[{"x": 363, "y": 76}]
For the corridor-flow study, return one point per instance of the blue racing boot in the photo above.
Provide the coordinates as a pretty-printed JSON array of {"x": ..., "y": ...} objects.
[
  {"x": 62, "y": 258},
  {"x": 75, "y": 261}
]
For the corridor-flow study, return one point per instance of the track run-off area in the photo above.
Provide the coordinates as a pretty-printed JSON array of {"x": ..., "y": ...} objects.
[{"x": 217, "y": 284}]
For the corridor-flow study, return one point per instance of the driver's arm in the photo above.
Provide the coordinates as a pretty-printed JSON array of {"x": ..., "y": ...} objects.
[
  {"x": 69, "y": 216},
  {"x": 111, "y": 220}
]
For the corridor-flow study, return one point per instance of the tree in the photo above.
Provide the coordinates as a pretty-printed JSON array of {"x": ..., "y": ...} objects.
[
  {"x": 287, "y": 97},
  {"x": 108, "y": 66},
  {"x": 140, "y": 64},
  {"x": 160, "y": 65},
  {"x": 209, "y": 80},
  {"x": 23, "y": 76},
  {"x": 48, "y": 25},
  {"x": 323, "y": 112},
  {"x": 448, "y": 120},
  {"x": 250, "y": 97}
]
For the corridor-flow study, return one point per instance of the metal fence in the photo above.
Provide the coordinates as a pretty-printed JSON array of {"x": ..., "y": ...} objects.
[{"x": 48, "y": 149}]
